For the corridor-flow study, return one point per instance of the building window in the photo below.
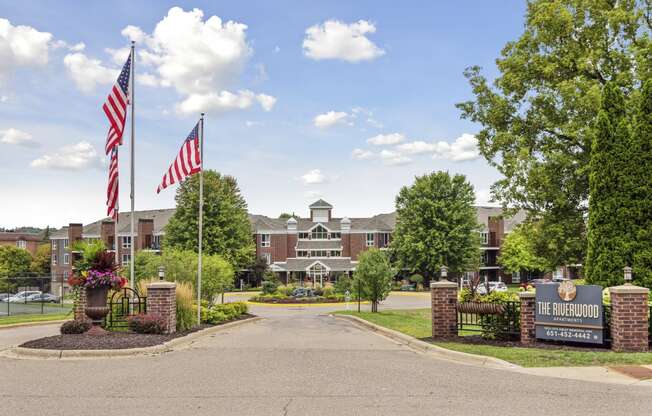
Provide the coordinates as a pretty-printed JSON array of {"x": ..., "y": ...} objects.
[
  {"x": 319, "y": 253},
  {"x": 65, "y": 243},
  {"x": 156, "y": 243},
  {"x": 304, "y": 236},
  {"x": 66, "y": 258},
  {"x": 319, "y": 233},
  {"x": 65, "y": 276},
  {"x": 384, "y": 240},
  {"x": 335, "y": 236},
  {"x": 335, "y": 253},
  {"x": 370, "y": 239},
  {"x": 484, "y": 237},
  {"x": 484, "y": 258},
  {"x": 54, "y": 245},
  {"x": 318, "y": 271},
  {"x": 54, "y": 259},
  {"x": 126, "y": 242},
  {"x": 265, "y": 240},
  {"x": 126, "y": 258},
  {"x": 267, "y": 257},
  {"x": 302, "y": 253},
  {"x": 21, "y": 244}
]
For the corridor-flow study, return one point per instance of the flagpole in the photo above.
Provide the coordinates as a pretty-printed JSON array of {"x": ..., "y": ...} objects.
[
  {"x": 201, "y": 214},
  {"x": 133, "y": 159}
]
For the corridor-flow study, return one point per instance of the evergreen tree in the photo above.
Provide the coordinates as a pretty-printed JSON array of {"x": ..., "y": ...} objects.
[
  {"x": 612, "y": 212},
  {"x": 226, "y": 226}
]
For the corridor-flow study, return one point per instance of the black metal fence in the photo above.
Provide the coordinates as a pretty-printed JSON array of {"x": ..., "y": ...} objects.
[
  {"x": 122, "y": 304},
  {"x": 33, "y": 295},
  {"x": 492, "y": 320}
]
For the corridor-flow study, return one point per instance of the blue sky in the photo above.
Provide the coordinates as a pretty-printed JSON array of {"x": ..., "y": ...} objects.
[{"x": 383, "y": 78}]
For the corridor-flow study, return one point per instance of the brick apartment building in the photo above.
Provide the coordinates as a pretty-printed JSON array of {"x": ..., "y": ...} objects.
[
  {"x": 316, "y": 248},
  {"x": 27, "y": 241}
]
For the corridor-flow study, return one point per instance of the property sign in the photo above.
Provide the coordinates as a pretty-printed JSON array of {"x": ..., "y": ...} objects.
[{"x": 565, "y": 312}]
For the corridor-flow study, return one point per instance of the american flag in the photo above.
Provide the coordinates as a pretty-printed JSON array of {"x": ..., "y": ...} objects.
[
  {"x": 112, "y": 189},
  {"x": 115, "y": 107},
  {"x": 187, "y": 162}
]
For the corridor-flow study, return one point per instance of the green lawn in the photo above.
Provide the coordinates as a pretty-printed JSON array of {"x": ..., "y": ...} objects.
[
  {"x": 416, "y": 323},
  {"x": 20, "y": 319}
]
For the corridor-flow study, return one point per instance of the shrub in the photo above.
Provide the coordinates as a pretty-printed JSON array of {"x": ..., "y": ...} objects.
[
  {"x": 186, "y": 310},
  {"x": 76, "y": 326},
  {"x": 223, "y": 312},
  {"x": 286, "y": 290},
  {"x": 328, "y": 291},
  {"x": 146, "y": 324},
  {"x": 344, "y": 283},
  {"x": 319, "y": 291},
  {"x": 269, "y": 287}
]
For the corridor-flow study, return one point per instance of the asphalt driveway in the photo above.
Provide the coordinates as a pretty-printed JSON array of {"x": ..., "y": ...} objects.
[{"x": 298, "y": 364}]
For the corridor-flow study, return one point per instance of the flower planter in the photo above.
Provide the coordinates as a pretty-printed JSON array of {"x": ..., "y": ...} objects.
[{"x": 96, "y": 307}]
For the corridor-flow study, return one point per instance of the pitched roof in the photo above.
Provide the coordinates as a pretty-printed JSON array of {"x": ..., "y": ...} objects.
[
  {"x": 15, "y": 236},
  {"x": 320, "y": 203},
  {"x": 301, "y": 264}
]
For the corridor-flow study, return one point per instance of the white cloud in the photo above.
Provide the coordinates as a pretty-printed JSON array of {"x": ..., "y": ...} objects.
[
  {"x": 330, "y": 119},
  {"x": 87, "y": 73},
  {"x": 313, "y": 177},
  {"x": 416, "y": 148},
  {"x": 337, "y": 40},
  {"x": 21, "y": 46},
  {"x": 17, "y": 137},
  {"x": 224, "y": 101},
  {"x": 386, "y": 139},
  {"x": 393, "y": 158},
  {"x": 462, "y": 149},
  {"x": 75, "y": 157},
  {"x": 250, "y": 123},
  {"x": 361, "y": 154},
  {"x": 148, "y": 80}
]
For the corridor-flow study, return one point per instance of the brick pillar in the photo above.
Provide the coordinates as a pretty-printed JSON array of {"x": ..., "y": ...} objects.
[
  {"x": 162, "y": 301},
  {"x": 629, "y": 320},
  {"x": 79, "y": 308},
  {"x": 444, "y": 309},
  {"x": 528, "y": 330}
]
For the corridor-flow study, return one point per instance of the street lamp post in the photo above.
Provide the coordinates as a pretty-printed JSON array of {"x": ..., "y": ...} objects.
[{"x": 628, "y": 275}]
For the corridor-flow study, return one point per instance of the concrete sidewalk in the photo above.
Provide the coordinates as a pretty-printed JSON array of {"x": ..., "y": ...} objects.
[{"x": 14, "y": 336}]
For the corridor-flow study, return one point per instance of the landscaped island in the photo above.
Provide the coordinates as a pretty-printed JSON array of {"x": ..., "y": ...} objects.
[{"x": 290, "y": 294}]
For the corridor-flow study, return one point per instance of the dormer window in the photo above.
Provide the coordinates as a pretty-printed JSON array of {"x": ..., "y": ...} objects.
[{"x": 319, "y": 233}]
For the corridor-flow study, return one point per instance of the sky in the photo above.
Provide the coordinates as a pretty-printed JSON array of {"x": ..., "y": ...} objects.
[{"x": 346, "y": 101}]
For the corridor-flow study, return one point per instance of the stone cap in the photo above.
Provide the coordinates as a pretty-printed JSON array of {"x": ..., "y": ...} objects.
[
  {"x": 443, "y": 284},
  {"x": 629, "y": 290},
  {"x": 162, "y": 285},
  {"x": 526, "y": 295}
]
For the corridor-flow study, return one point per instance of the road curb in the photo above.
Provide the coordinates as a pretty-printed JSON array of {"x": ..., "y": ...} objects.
[
  {"x": 28, "y": 324},
  {"x": 294, "y": 305},
  {"x": 457, "y": 356},
  {"x": 172, "y": 345}
]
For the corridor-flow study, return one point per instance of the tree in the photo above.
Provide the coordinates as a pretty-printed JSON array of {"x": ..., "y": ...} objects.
[
  {"x": 226, "y": 226},
  {"x": 285, "y": 216},
  {"x": 436, "y": 225},
  {"x": 518, "y": 252},
  {"x": 642, "y": 146},
  {"x": 374, "y": 274},
  {"x": 14, "y": 261},
  {"x": 617, "y": 217},
  {"x": 42, "y": 259},
  {"x": 217, "y": 278},
  {"x": 538, "y": 117}
]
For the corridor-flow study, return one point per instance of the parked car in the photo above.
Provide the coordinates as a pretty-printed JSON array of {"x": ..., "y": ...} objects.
[
  {"x": 536, "y": 282},
  {"x": 302, "y": 292},
  {"x": 559, "y": 278},
  {"x": 493, "y": 287},
  {"x": 408, "y": 288},
  {"x": 43, "y": 297},
  {"x": 4, "y": 296},
  {"x": 22, "y": 296}
]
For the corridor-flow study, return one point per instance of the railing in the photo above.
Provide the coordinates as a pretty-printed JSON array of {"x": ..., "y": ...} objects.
[
  {"x": 122, "y": 304},
  {"x": 492, "y": 320},
  {"x": 33, "y": 295}
]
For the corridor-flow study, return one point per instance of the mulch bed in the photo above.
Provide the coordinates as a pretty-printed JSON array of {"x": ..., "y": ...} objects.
[
  {"x": 112, "y": 340},
  {"x": 478, "y": 340}
]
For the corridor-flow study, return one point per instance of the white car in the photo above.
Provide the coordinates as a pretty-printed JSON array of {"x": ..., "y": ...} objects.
[
  {"x": 493, "y": 287},
  {"x": 22, "y": 296}
]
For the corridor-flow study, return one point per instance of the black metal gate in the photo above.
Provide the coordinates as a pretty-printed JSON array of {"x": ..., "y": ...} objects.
[{"x": 124, "y": 303}]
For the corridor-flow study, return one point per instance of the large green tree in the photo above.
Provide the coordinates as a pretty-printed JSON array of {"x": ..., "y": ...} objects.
[
  {"x": 519, "y": 252},
  {"x": 42, "y": 260},
  {"x": 538, "y": 117},
  {"x": 436, "y": 225},
  {"x": 14, "y": 261},
  {"x": 226, "y": 226},
  {"x": 373, "y": 275},
  {"x": 619, "y": 216}
]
